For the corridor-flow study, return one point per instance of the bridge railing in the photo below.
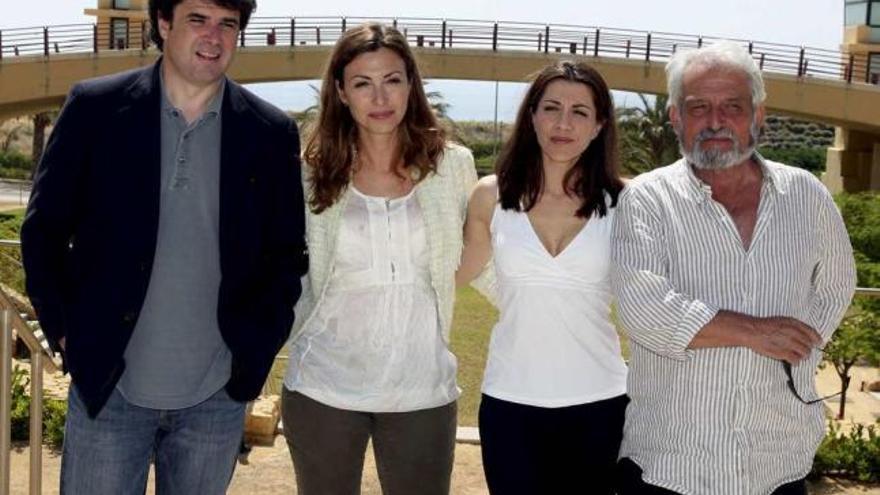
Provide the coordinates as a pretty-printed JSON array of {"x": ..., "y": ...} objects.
[{"x": 441, "y": 34}]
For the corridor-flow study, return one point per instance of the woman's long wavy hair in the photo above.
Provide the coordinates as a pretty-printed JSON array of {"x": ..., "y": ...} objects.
[
  {"x": 519, "y": 166},
  {"x": 330, "y": 146}
]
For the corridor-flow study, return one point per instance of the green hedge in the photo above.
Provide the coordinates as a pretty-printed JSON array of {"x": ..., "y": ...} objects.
[
  {"x": 15, "y": 160},
  {"x": 812, "y": 159},
  {"x": 854, "y": 455},
  {"x": 54, "y": 413}
]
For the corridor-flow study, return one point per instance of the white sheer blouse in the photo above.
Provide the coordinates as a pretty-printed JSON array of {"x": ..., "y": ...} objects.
[{"x": 375, "y": 342}]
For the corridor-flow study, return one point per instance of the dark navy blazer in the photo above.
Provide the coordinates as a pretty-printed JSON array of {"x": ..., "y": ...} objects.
[{"x": 89, "y": 235}]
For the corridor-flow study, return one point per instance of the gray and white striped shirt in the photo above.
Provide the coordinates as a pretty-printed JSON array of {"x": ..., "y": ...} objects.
[{"x": 722, "y": 420}]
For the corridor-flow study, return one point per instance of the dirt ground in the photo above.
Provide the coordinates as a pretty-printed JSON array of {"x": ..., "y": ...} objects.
[{"x": 269, "y": 470}]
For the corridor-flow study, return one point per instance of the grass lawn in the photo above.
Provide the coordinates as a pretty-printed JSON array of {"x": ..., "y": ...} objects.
[{"x": 471, "y": 326}]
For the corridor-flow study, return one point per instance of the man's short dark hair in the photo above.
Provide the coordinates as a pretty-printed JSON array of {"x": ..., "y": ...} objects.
[{"x": 164, "y": 9}]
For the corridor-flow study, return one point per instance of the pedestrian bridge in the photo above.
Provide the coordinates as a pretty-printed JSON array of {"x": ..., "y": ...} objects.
[{"x": 39, "y": 65}]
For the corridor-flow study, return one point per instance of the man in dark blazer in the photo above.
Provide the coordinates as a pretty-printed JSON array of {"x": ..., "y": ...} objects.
[{"x": 163, "y": 246}]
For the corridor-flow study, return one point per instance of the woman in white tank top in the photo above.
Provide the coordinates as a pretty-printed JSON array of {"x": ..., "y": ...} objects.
[{"x": 551, "y": 417}]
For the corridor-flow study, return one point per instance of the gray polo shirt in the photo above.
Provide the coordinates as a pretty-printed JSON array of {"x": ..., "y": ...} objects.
[{"x": 176, "y": 357}]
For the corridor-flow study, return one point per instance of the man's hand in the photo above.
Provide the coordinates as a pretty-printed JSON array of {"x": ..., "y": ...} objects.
[{"x": 782, "y": 338}]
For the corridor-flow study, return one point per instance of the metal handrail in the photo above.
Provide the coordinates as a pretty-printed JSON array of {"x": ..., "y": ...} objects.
[
  {"x": 10, "y": 320},
  {"x": 437, "y": 33}
]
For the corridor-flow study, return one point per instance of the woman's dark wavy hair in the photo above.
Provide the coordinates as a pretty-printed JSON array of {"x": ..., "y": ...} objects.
[
  {"x": 164, "y": 9},
  {"x": 519, "y": 166},
  {"x": 329, "y": 149}
]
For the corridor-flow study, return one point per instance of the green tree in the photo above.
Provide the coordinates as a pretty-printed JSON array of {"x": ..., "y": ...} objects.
[
  {"x": 438, "y": 104},
  {"x": 856, "y": 339},
  {"x": 10, "y": 133},
  {"x": 41, "y": 122},
  {"x": 647, "y": 138},
  {"x": 861, "y": 214},
  {"x": 306, "y": 117}
]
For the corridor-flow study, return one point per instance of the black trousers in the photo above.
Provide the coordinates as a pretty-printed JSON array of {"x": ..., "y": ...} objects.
[
  {"x": 535, "y": 450},
  {"x": 630, "y": 483}
]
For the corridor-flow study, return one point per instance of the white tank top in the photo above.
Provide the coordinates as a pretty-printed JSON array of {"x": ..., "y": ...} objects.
[{"x": 554, "y": 344}]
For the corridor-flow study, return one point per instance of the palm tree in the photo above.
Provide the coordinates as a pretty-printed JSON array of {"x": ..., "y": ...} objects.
[
  {"x": 438, "y": 104},
  {"x": 10, "y": 133},
  {"x": 647, "y": 137}
]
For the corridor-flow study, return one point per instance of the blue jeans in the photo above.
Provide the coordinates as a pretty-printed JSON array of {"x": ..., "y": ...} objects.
[{"x": 194, "y": 449}]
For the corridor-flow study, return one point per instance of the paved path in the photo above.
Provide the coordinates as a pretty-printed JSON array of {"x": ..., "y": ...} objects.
[{"x": 14, "y": 194}]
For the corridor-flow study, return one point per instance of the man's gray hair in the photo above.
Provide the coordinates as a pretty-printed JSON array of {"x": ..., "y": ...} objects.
[{"x": 723, "y": 54}]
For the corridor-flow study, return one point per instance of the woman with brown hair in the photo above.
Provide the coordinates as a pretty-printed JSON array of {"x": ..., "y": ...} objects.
[
  {"x": 551, "y": 415},
  {"x": 369, "y": 355}
]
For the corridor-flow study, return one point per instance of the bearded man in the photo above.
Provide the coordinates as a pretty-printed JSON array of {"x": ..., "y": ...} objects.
[{"x": 732, "y": 272}]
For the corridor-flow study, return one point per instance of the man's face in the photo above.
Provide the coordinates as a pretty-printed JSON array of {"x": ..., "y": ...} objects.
[
  {"x": 199, "y": 41},
  {"x": 717, "y": 126}
]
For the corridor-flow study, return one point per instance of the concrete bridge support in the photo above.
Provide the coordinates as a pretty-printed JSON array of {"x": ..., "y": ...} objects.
[{"x": 853, "y": 162}]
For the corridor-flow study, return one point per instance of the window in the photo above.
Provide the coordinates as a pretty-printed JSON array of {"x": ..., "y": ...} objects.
[
  {"x": 874, "y": 68},
  {"x": 122, "y": 4},
  {"x": 118, "y": 33},
  {"x": 874, "y": 13},
  {"x": 856, "y": 14}
]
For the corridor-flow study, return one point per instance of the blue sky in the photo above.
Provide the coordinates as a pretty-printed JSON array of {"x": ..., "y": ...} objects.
[{"x": 815, "y": 23}]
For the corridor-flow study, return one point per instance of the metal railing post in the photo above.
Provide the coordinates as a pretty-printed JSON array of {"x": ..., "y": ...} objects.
[
  {"x": 1, "y": 45},
  {"x": 751, "y": 47},
  {"x": 45, "y": 41},
  {"x": 586, "y": 42},
  {"x": 318, "y": 35},
  {"x": 36, "y": 430},
  {"x": 443, "y": 36},
  {"x": 700, "y": 42},
  {"x": 241, "y": 38},
  {"x": 495, "y": 37},
  {"x": 343, "y": 24},
  {"x": 801, "y": 68},
  {"x": 648, "y": 49},
  {"x": 5, "y": 400},
  {"x": 144, "y": 35},
  {"x": 94, "y": 38},
  {"x": 596, "y": 44},
  {"x": 849, "y": 68},
  {"x": 628, "y": 46},
  {"x": 293, "y": 31},
  {"x": 761, "y": 63},
  {"x": 546, "y": 38}
]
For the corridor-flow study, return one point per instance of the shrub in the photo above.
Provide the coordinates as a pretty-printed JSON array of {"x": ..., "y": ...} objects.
[
  {"x": 485, "y": 165},
  {"x": 854, "y": 455},
  {"x": 54, "y": 413},
  {"x": 861, "y": 213},
  {"x": 15, "y": 173},
  {"x": 15, "y": 160},
  {"x": 812, "y": 159}
]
